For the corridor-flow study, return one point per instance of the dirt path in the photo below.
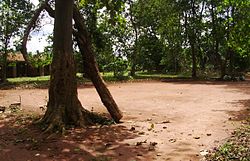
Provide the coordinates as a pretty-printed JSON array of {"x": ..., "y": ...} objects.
[{"x": 181, "y": 118}]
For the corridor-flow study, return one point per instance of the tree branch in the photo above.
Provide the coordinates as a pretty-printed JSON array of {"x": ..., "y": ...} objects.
[
  {"x": 28, "y": 30},
  {"x": 50, "y": 11}
]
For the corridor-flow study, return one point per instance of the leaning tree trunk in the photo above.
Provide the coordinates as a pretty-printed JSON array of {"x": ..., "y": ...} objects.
[
  {"x": 63, "y": 107},
  {"x": 91, "y": 66}
]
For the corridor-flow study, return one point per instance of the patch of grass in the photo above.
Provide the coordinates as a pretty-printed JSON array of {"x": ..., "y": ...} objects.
[
  {"x": 154, "y": 75},
  {"x": 35, "y": 82},
  {"x": 28, "y": 79},
  {"x": 237, "y": 148},
  {"x": 28, "y": 82},
  {"x": 109, "y": 77},
  {"x": 43, "y": 81}
]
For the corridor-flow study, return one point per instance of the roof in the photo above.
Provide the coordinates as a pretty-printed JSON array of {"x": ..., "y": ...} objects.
[{"x": 15, "y": 57}]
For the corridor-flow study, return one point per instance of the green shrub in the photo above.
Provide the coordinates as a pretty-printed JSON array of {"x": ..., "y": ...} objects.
[{"x": 119, "y": 67}]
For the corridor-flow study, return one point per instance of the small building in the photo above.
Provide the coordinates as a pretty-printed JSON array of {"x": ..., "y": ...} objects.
[{"x": 17, "y": 67}]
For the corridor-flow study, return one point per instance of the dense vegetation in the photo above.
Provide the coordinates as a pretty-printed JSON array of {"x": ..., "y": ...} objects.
[
  {"x": 202, "y": 38},
  {"x": 14, "y": 16},
  {"x": 198, "y": 37}
]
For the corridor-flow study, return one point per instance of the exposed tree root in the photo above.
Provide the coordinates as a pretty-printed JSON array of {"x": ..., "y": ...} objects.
[
  {"x": 96, "y": 118},
  {"x": 54, "y": 122}
]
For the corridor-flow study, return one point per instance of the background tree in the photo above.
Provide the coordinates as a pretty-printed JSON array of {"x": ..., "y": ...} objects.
[
  {"x": 14, "y": 15},
  {"x": 40, "y": 60},
  {"x": 197, "y": 35}
]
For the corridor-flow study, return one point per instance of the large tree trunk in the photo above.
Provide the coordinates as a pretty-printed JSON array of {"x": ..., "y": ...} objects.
[
  {"x": 63, "y": 107},
  {"x": 91, "y": 66}
]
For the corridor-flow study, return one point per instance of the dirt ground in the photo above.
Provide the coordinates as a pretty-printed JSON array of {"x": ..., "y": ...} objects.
[{"x": 175, "y": 121}]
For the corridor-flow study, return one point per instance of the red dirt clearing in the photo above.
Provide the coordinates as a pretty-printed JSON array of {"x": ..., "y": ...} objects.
[{"x": 162, "y": 121}]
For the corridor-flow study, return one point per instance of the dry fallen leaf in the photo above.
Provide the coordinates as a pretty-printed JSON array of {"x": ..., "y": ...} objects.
[
  {"x": 141, "y": 133},
  {"x": 132, "y": 129},
  {"x": 140, "y": 142},
  {"x": 197, "y": 137},
  {"x": 151, "y": 127},
  {"x": 37, "y": 154},
  {"x": 172, "y": 140},
  {"x": 108, "y": 144},
  {"x": 153, "y": 143},
  {"x": 149, "y": 119},
  {"x": 203, "y": 152},
  {"x": 166, "y": 121}
]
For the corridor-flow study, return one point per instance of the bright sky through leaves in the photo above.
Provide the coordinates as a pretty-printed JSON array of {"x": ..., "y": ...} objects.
[{"x": 38, "y": 40}]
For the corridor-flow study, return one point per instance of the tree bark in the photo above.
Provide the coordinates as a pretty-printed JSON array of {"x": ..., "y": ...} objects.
[
  {"x": 91, "y": 67},
  {"x": 63, "y": 107},
  {"x": 41, "y": 71},
  {"x": 90, "y": 64}
]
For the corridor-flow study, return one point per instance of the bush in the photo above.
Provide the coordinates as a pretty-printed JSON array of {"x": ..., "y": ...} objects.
[{"x": 119, "y": 67}]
